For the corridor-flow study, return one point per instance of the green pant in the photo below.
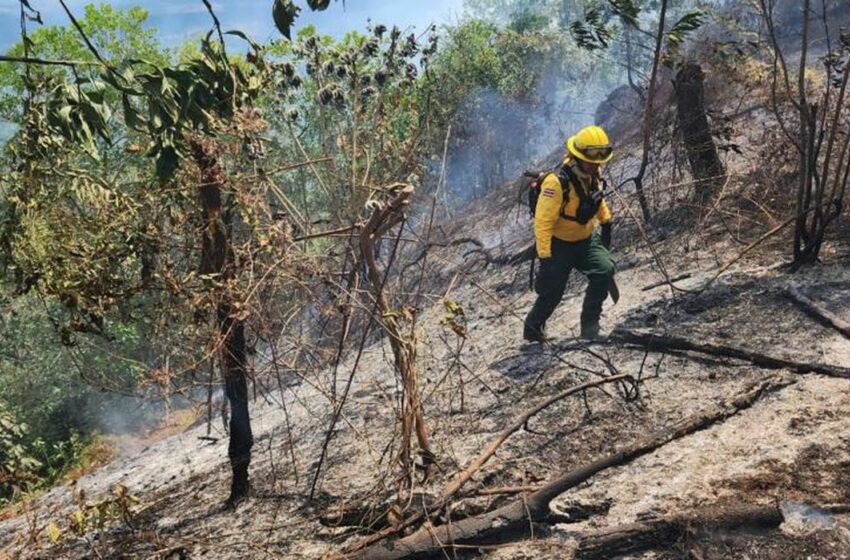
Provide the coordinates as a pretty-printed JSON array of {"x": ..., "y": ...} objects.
[{"x": 591, "y": 258}]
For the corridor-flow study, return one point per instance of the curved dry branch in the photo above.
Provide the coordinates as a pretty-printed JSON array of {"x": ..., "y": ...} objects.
[
  {"x": 515, "y": 520},
  {"x": 656, "y": 341},
  {"x": 463, "y": 477}
]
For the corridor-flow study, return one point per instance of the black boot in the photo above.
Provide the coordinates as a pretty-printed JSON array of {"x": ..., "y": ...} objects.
[
  {"x": 534, "y": 334},
  {"x": 590, "y": 330}
]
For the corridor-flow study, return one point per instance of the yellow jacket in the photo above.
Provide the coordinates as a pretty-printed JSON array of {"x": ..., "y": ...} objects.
[{"x": 548, "y": 221}]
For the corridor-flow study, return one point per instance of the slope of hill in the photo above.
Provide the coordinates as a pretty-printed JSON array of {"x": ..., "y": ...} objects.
[{"x": 789, "y": 446}]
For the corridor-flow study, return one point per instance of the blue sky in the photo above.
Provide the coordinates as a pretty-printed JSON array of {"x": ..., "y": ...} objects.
[{"x": 177, "y": 20}]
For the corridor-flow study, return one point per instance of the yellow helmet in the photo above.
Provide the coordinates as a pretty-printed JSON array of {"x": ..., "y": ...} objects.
[{"x": 591, "y": 145}]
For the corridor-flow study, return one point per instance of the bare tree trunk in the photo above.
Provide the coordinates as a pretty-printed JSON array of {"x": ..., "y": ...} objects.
[
  {"x": 704, "y": 161},
  {"x": 217, "y": 258},
  {"x": 647, "y": 114},
  {"x": 802, "y": 240}
]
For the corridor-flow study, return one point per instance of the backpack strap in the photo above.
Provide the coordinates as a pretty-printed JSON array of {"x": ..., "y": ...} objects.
[{"x": 567, "y": 176}]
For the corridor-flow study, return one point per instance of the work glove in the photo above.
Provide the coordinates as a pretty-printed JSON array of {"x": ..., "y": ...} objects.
[{"x": 606, "y": 235}]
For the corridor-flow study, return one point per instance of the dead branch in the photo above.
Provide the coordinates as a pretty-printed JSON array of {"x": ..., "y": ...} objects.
[
  {"x": 41, "y": 61},
  {"x": 666, "y": 342},
  {"x": 525, "y": 255},
  {"x": 442, "y": 244},
  {"x": 635, "y": 537},
  {"x": 819, "y": 313},
  {"x": 499, "y": 490},
  {"x": 746, "y": 250},
  {"x": 320, "y": 234},
  {"x": 515, "y": 520},
  {"x": 367, "y": 517},
  {"x": 403, "y": 345},
  {"x": 665, "y": 282},
  {"x": 463, "y": 477}
]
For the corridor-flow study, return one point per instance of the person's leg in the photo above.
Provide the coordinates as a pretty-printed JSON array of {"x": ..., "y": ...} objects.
[
  {"x": 550, "y": 284},
  {"x": 597, "y": 264}
]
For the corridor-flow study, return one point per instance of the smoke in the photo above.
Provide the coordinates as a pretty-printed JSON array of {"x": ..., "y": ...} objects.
[
  {"x": 117, "y": 414},
  {"x": 806, "y": 517},
  {"x": 497, "y": 137},
  {"x": 7, "y": 130}
]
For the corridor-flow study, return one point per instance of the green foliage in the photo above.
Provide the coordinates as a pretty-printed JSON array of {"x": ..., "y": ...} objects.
[
  {"x": 16, "y": 465},
  {"x": 41, "y": 388},
  {"x": 627, "y": 10},
  {"x": 686, "y": 25},
  {"x": 284, "y": 13},
  {"x": 319, "y": 5},
  {"x": 357, "y": 104},
  {"x": 592, "y": 33},
  {"x": 117, "y": 34},
  {"x": 503, "y": 95}
]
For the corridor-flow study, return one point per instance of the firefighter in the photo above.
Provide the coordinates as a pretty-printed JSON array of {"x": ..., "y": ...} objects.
[{"x": 569, "y": 207}]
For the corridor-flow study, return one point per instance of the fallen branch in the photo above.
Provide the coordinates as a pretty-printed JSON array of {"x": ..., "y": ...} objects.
[
  {"x": 663, "y": 531},
  {"x": 519, "y": 257},
  {"x": 463, "y": 477},
  {"x": 515, "y": 520},
  {"x": 663, "y": 342},
  {"x": 363, "y": 517},
  {"x": 747, "y": 249},
  {"x": 442, "y": 244},
  {"x": 501, "y": 490},
  {"x": 665, "y": 282},
  {"x": 822, "y": 315}
]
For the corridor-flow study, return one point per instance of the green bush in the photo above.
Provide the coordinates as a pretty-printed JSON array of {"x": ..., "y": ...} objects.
[{"x": 17, "y": 467}]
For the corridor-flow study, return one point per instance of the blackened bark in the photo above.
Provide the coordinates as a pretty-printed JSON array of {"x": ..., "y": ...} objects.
[
  {"x": 217, "y": 258},
  {"x": 236, "y": 389},
  {"x": 704, "y": 161}
]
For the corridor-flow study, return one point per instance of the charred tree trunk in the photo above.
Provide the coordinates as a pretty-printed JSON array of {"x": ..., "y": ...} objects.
[
  {"x": 648, "y": 113},
  {"x": 704, "y": 161},
  {"x": 217, "y": 259}
]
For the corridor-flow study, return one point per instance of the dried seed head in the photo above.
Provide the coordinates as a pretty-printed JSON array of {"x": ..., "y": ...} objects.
[
  {"x": 371, "y": 47},
  {"x": 325, "y": 96}
]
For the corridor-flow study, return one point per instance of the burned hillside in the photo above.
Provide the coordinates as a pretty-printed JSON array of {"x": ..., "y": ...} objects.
[{"x": 375, "y": 344}]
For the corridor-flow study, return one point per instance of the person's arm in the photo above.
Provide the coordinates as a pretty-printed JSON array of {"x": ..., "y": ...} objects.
[
  {"x": 604, "y": 217},
  {"x": 546, "y": 214},
  {"x": 606, "y": 235}
]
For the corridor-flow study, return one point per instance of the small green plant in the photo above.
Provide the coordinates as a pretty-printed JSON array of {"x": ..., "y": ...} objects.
[
  {"x": 95, "y": 515},
  {"x": 17, "y": 466}
]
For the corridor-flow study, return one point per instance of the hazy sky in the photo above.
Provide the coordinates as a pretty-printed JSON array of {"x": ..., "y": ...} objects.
[{"x": 179, "y": 19}]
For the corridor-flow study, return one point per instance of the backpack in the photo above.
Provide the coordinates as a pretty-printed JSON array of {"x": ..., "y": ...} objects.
[
  {"x": 534, "y": 188},
  {"x": 588, "y": 203}
]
